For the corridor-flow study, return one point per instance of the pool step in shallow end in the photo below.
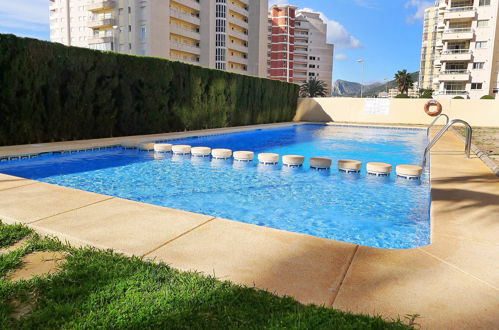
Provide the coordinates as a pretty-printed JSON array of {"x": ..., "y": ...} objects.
[
  {"x": 293, "y": 160},
  {"x": 181, "y": 149},
  {"x": 410, "y": 172},
  {"x": 268, "y": 158},
  {"x": 349, "y": 165},
  {"x": 163, "y": 147},
  {"x": 379, "y": 169},
  {"x": 244, "y": 156},
  {"x": 147, "y": 146},
  {"x": 320, "y": 163},
  {"x": 221, "y": 153},
  {"x": 201, "y": 151}
]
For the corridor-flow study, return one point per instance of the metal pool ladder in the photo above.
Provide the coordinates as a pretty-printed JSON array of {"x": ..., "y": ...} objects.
[
  {"x": 469, "y": 133},
  {"x": 435, "y": 120}
]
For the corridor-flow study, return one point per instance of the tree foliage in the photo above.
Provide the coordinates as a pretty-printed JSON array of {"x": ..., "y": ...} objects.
[
  {"x": 426, "y": 93},
  {"x": 313, "y": 88},
  {"x": 404, "y": 81},
  {"x": 50, "y": 92}
]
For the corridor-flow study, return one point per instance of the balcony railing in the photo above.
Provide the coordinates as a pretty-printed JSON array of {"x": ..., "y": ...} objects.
[
  {"x": 456, "y": 51},
  {"x": 449, "y": 72},
  {"x": 459, "y": 30},
  {"x": 460, "y": 9},
  {"x": 452, "y": 92}
]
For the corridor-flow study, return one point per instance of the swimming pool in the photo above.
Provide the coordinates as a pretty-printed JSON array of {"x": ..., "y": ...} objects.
[{"x": 386, "y": 212}]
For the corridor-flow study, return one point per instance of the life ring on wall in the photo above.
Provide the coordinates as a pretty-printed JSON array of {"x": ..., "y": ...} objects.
[{"x": 433, "y": 113}]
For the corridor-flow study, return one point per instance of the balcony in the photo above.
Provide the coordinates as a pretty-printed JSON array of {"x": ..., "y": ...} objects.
[
  {"x": 238, "y": 34},
  {"x": 186, "y": 17},
  {"x": 452, "y": 92},
  {"x": 236, "y": 21},
  {"x": 186, "y": 59},
  {"x": 238, "y": 9},
  {"x": 454, "y": 75},
  {"x": 101, "y": 23},
  {"x": 458, "y": 34},
  {"x": 185, "y": 47},
  {"x": 456, "y": 55},
  {"x": 301, "y": 50},
  {"x": 194, "y": 4},
  {"x": 237, "y": 70},
  {"x": 190, "y": 33},
  {"x": 100, "y": 40},
  {"x": 237, "y": 59},
  {"x": 237, "y": 46},
  {"x": 460, "y": 13},
  {"x": 100, "y": 5}
]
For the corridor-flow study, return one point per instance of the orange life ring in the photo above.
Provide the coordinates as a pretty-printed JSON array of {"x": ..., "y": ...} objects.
[{"x": 433, "y": 113}]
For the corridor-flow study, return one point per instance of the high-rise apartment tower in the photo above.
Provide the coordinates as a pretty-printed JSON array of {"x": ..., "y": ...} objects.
[
  {"x": 223, "y": 34},
  {"x": 460, "y": 53},
  {"x": 297, "y": 46}
]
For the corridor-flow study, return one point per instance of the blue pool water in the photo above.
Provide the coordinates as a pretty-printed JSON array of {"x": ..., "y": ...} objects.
[{"x": 357, "y": 208}]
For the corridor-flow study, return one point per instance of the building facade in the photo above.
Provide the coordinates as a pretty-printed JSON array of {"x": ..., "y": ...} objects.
[
  {"x": 297, "y": 46},
  {"x": 460, "y": 53},
  {"x": 223, "y": 34}
]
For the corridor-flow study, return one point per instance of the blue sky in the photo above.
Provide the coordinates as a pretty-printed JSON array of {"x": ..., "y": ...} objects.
[{"x": 386, "y": 33}]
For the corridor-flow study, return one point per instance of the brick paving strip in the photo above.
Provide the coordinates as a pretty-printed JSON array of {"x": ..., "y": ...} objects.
[{"x": 452, "y": 283}]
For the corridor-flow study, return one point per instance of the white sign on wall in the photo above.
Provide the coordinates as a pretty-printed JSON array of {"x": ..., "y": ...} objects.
[{"x": 377, "y": 107}]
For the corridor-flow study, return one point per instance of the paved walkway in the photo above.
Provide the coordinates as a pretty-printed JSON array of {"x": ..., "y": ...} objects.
[{"x": 452, "y": 283}]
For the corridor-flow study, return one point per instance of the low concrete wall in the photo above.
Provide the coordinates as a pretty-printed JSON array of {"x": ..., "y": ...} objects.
[{"x": 395, "y": 111}]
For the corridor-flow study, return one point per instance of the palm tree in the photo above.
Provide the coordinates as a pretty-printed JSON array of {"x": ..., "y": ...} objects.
[
  {"x": 313, "y": 88},
  {"x": 404, "y": 81}
]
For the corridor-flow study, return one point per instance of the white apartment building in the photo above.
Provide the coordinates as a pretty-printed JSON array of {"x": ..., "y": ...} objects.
[
  {"x": 460, "y": 53},
  {"x": 297, "y": 46},
  {"x": 223, "y": 34}
]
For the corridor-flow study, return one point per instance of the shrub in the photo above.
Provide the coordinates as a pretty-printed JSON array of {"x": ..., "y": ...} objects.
[
  {"x": 458, "y": 98},
  {"x": 50, "y": 92},
  {"x": 402, "y": 96},
  {"x": 426, "y": 93},
  {"x": 487, "y": 97}
]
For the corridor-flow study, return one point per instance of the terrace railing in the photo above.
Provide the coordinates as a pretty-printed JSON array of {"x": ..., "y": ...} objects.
[
  {"x": 459, "y": 30},
  {"x": 456, "y": 71},
  {"x": 456, "y": 51},
  {"x": 459, "y": 9}
]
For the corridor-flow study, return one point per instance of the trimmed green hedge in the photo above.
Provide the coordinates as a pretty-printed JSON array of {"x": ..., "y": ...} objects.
[{"x": 50, "y": 92}]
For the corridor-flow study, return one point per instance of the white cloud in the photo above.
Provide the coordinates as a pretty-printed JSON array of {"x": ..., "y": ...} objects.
[
  {"x": 420, "y": 6},
  {"x": 340, "y": 57},
  {"x": 278, "y": 2},
  {"x": 26, "y": 14},
  {"x": 337, "y": 34}
]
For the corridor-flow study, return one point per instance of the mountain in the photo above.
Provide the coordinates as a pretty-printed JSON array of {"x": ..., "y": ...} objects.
[
  {"x": 348, "y": 88},
  {"x": 391, "y": 84}
]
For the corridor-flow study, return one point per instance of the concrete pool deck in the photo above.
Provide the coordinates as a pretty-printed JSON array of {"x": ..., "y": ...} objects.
[{"x": 452, "y": 283}]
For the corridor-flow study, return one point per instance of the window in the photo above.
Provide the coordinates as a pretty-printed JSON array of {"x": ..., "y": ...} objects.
[
  {"x": 481, "y": 44},
  {"x": 143, "y": 35},
  {"x": 483, "y": 23},
  {"x": 478, "y": 65},
  {"x": 484, "y": 3},
  {"x": 476, "y": 86}
]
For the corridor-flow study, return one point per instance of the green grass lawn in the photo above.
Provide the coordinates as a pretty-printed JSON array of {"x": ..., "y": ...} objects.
[{"x": 101, "y": 289}]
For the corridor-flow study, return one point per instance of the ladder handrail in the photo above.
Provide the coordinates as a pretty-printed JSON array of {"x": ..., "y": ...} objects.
[
  {"x": 435, "y": 120},
  {"x": 469, "y": 133}
]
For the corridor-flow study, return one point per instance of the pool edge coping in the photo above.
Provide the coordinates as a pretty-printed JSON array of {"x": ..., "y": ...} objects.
[{"x": 194, "y": 133}]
